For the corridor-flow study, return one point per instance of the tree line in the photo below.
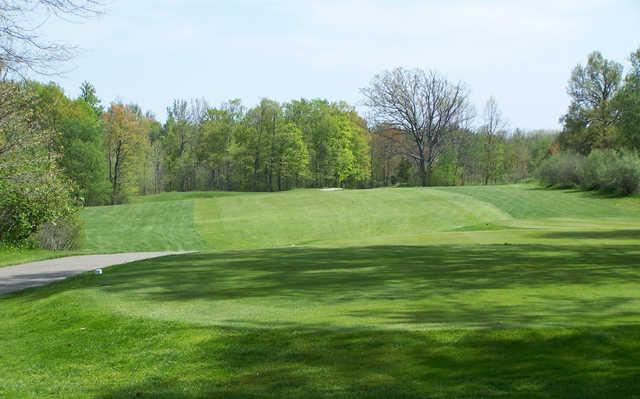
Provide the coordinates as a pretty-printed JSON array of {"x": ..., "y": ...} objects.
[
  {"x": 600, "y": 138},
  {"x": 59, "y": 153},
  {"x": 112, "y": 152}
]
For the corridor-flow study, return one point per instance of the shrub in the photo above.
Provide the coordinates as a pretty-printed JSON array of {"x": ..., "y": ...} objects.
[
  {"x": 595, "y": 169},
  {"x": 608, "y": 171},
  {"x": 613, "y": 172},
  {"x": 562, "y": 170},
  {"x": 27, "y": 204},
  {"x": 60, "y": 234}
]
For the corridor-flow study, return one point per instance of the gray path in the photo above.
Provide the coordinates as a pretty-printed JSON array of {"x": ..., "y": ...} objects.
[{"x": 15, "y": 278}]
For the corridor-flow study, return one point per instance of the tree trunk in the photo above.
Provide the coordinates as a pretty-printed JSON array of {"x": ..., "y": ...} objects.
[{"x": 423, "y": 171}]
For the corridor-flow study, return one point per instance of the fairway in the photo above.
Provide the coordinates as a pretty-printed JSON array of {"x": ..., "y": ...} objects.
[
  {"x": 503, "y": 291},
  {"x": 227, "y": 221}
]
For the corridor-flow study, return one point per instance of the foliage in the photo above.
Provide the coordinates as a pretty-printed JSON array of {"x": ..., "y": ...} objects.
[
  {"x": 26, "y": 205},
  {"x": 628, "y": 105},
  {"x": 78, "y": 140},
  {"x": 126, "y": 142},
  {"x": 33, "y": 190},
  {"x": 612, "y": 172},
  {"x": 590, "y": 121},
  {"x": 608, "y": 171},
  {"x": 270, "y": 147},
  {"x": 562, "y": 170},
  {"x": 60, "y": 234},
  {"x": 469, "y": 157}
]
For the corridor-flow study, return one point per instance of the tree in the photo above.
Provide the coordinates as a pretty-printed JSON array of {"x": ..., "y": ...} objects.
[
  {"x": 590, "y": 121},
  {"x": 627, "y": 103},
  {"x": 490, "y": 131},
  {"x": 218, "y": 150},
  {"x": 88, "y": 95},
  {"x": 77, "y": 139},
  {"x": 289, "y": 156},
  {"x": 336, "y": 139},
  {"x": 258, "y": 141},
  {"x": 21, "y": 46},
  {"x": 181, "y": 131},
  {"x": 33, "y": 191},
  {"x": 125, "y": 142},
  {"x": 385, "y": 156},
  {"x": 422, "y": 105}
]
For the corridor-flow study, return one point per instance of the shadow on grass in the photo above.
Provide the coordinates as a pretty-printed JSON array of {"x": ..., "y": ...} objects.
[
  {"x": 599, "y": 235},
  {"x": 261, "y": 358},
  {"x": 391, "y": 286},
  {"x": 367, "y": 271},
  {"x": 316, "y": 363}
]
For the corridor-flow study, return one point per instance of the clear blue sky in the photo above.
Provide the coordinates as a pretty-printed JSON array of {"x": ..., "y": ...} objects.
[{"x": 521, "y": 52}]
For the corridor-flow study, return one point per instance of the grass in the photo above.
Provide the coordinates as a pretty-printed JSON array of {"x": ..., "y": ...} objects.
[
  {"x": 145, "y": 226},
  {"x": 396, "y": 293},
  {"x": 395, "y": 321},
  {"x": 528, "y": 201},
  {"x": 12, "y": 256}
]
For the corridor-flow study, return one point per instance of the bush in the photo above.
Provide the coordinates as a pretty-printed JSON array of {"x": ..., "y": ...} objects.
[
  {"x": 613, "y": 172},
  {"x": 607, "y": 171},
  {"x": 60, "y": 234},
  {"x": 28, "y": 204},
  {"x": 562, "y": 170},
  {"x": 595, "y": 170}
]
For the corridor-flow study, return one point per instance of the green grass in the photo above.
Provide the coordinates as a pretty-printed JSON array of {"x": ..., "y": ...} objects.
[
  {"x": 312, "y": 217},
  {"x": 471, "y": 292},
  {"x": 147, "y": 226},
  {"x": 529, "y": 201},
  {"x": 395, "y": 321},
  {"x": 11, "y": 256},
  {"x": 224, "y": 221}
]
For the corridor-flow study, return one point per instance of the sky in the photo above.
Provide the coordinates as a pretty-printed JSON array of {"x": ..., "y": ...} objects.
[{"x": 521, "y": 52}]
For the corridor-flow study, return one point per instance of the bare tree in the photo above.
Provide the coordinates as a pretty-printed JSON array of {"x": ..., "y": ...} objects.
[
  {"x": 22, "y": 48},
  {"x": 493, "y": 126},
  {"x": 422, "y": 105}
]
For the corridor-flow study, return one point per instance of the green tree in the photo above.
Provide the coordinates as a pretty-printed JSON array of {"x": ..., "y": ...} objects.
[
  {"x": 126, "y": 141},
  {"x": 77, "y": 137},
  {"x": 33, "y": 191},
  {"x": 628, "y": 105},
  {"x": 290, "y": 159},
  {"x": 88, "y": 94},
  {"x": 218, "y": 150},
  {"x": 590, "y": 121}
]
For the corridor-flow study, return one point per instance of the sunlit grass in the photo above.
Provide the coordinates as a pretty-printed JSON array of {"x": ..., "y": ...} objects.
[
  {"x": 507, "y": 291},
  {"x": 367, "y": 322}
]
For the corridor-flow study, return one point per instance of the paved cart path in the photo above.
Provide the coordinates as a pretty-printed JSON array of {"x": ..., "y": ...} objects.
[{"x": 15, "y": 278}]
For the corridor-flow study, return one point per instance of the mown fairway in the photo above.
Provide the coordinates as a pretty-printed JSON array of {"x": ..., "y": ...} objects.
[
  {"x": 508, "y": 291},
  {"x": 458, "y": 215}
]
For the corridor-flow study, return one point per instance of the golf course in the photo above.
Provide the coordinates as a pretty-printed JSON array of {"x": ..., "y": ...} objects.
[{"x": 471, "y": 291}]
